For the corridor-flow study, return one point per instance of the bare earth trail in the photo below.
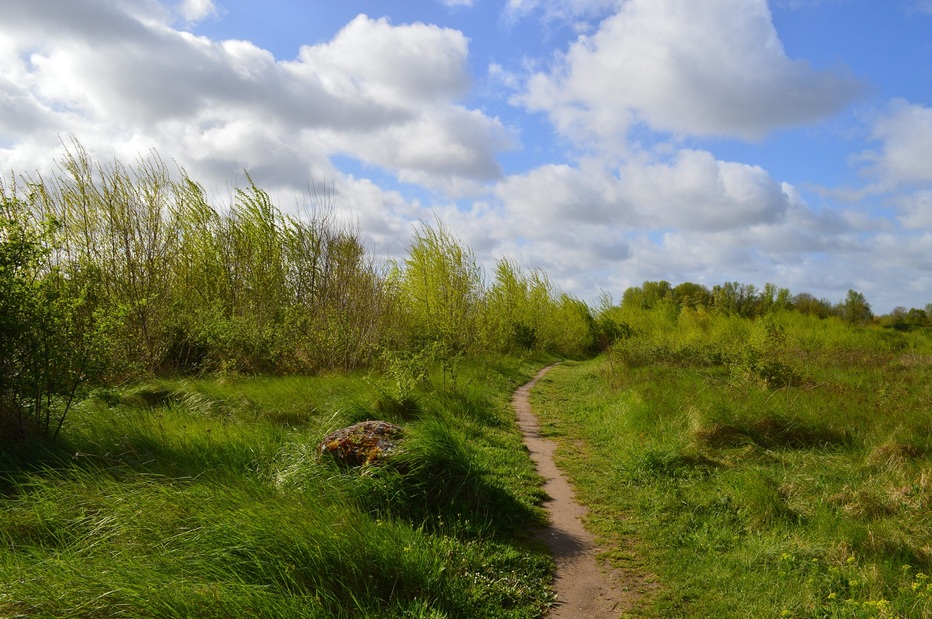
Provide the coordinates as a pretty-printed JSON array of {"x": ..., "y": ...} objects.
[{"x": 584, "y": 586}]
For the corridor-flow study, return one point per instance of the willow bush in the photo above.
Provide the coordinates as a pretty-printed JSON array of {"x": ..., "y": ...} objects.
[
  {"x": 192, "y": 288},
  {"x": 442, "y": 284},
  {"x": 181, "y": 286}
]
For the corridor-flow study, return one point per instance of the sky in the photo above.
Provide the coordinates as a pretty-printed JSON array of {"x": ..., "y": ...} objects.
[{"x": 606, "y": 142}]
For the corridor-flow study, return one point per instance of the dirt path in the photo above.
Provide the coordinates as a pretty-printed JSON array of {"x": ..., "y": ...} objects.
[{"x": 585, "y": 587}]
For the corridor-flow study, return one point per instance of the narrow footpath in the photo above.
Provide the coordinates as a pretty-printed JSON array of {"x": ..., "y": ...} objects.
[{"x": 584, "y": 587}]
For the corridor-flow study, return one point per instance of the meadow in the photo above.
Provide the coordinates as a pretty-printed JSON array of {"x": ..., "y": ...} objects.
[
  {"x": 205, "y": 498},
  {"x": 777, "y": 467}
]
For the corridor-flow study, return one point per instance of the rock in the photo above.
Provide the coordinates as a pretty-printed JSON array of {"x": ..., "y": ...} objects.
[{"x": 362, "y": 443}]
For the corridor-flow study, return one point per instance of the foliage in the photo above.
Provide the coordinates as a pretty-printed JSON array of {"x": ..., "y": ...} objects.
[
  {"x": 51, "y": 344},
  {"x": 744, "y": 300},
  {"x": 524, "y": 313},
  {"x": 193, "y": 288},
  {"x": 442, "y": 286},
  {"x": 179, "y": 286},
  {"x": 902, "y": 319},
  {"x": 196, "y": 289},
  {"x": 855, "y": 309}
]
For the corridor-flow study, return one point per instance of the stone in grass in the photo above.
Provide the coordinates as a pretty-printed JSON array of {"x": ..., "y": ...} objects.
[{"x": 360, "y": 444}]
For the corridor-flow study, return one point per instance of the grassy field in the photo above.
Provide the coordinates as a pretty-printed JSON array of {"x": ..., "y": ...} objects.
[
  {"x": 777, "y": 468},
  {"x": 204, "y": 498}
]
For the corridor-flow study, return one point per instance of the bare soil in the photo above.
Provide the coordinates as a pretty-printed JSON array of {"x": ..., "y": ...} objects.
[{"x": 585, "y": 586}]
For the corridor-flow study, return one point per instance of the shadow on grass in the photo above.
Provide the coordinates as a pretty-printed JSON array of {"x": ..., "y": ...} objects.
[
  {"x": 770, "y": 431},
  {"x": 437, "y": 481},
  {"x": 20, "y": 459}
]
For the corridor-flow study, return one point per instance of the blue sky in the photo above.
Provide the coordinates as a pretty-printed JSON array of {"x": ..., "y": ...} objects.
[{"x": 606, "y": 142}]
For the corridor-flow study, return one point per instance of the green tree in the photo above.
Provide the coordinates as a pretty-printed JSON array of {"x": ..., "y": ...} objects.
[
  {"x": 509, "y": 321},
  {"x": 692, "y": 295},
  {"x": 772, "y": 299},
  {"x": 735, "y": 298},
  {"x": 855, "y": 309},
  {"x": 916, "y": 317},
  {"x": 806, "y": 303}
]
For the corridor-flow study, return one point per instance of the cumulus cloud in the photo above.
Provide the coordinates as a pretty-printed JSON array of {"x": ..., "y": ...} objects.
[
  {"x": 395, "y": 65},
  {"x": 713, "y": 68},
  {"x": 113, "y": 72},
  {"x": 552, "y": 194},
  {"x": 694, "y": 191},
  {"x": 692, "y": 217},
  {"x": 623, "y": 213},
  {"x": 822, "y": 253},
  {"x": 905, "y": 133},
  {"x": 196, "y": 10},
  {"x": 697, "y": 191}
]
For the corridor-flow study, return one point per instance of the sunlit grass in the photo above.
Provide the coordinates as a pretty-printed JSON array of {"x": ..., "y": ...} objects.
[
  {"x": 810, "y": 498},
  {"x": 206, "y": 499}
]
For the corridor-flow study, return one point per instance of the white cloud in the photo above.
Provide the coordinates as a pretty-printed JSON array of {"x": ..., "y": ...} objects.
[
  {"x": 916, "y": 210},
  {"x": 555, "y": 196},
  {"x": 905, "y": 133},
  {"x": 385, "y": 94},
  {"x": 599, "y": 226},
  {"x": 695, "y": 191},
  {"x": 697, "y": 68},
  {"x": 403, "y": 66},
  {"x": 197, "y": 10},
  {"x": 451, "y": 148}
]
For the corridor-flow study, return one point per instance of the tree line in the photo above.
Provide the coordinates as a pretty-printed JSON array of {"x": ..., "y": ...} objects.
[
  {"x": 114, "y": 272},
  {"x": 749, "y": 301}
]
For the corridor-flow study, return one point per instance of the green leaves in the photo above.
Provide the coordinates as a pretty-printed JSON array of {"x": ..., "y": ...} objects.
[
  {"x": 442, "y": 287},
  {"x": 51, "y": 333}
]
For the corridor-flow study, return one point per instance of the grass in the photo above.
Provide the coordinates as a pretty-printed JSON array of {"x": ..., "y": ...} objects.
[
  {"x": 205, "y": 499},
  {"x": 758, "y": 476}
]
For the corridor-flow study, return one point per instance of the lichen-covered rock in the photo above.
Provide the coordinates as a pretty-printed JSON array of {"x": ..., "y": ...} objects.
[{"x": 361, "y": 443}]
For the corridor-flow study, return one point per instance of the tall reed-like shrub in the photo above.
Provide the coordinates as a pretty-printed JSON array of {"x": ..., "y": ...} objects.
[
  {"x": 442, "y": 286},
  {"x": 191, "y": 288},
  {"x": 187, "y": 287},
  {"x": 525, "y": 312}
]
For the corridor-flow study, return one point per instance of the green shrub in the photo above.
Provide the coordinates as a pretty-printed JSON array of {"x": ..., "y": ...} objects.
[{"x": 52, "y": 339}]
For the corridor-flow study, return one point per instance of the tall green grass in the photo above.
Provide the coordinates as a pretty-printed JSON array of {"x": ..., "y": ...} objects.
[
  {"x": 778, "y": 467},
  {"x": 205, "y": 498}
]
